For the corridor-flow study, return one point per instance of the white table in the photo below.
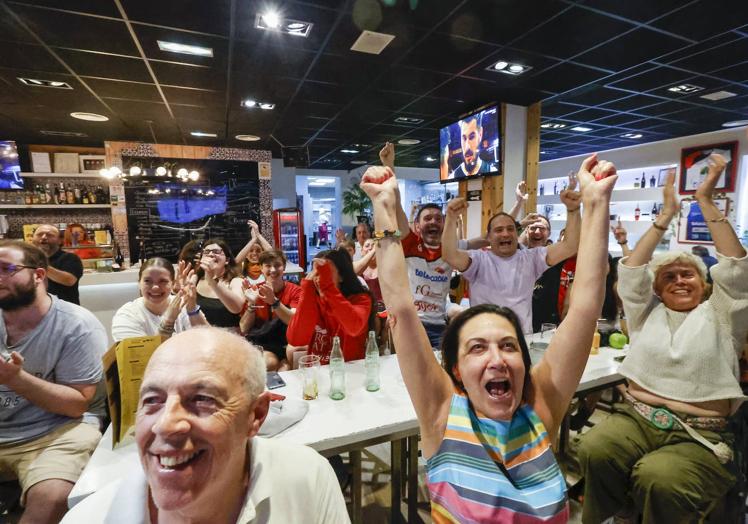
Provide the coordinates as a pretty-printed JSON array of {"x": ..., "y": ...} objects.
[{"x": 331, "y": 427}]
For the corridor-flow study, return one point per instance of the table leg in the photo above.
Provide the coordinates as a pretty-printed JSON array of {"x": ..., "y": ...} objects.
[
  {"x": 355, "y": 457},
  {"x": 396, "y": 449},
  {"x": 413, "y": 479}
]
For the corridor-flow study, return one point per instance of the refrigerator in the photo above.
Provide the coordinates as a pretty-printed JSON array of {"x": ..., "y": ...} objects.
[{"x": 288, "y": 228}]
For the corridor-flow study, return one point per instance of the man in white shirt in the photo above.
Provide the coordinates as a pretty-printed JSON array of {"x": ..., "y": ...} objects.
[{"x": 201, "y": 460}]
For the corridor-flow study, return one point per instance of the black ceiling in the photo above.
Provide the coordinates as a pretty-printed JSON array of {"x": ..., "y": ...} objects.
[{"x": 606, "y": 64}]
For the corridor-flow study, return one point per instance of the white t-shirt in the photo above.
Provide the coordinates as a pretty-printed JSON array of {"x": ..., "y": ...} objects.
[
  {"x": 506, "y": 281},
  {"x": 134, "y": 320},
  {"x": 429, "y": 277},
  {"x": 288, "y": 483}
]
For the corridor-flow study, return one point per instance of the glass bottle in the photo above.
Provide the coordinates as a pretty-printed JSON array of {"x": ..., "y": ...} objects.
[
  {"x": 371, "y": 363},
  {"x": 636, "y": 182},
  {"x": 70, "y": 194},
  {"x": 337, "y": 371},
  {"x": 652, "y": 181},
  {"x": 595, "y": 349},
  {"x": 62, "y": 195},
  {"x": 637, "y": 212},
  {"x": 119, "y": 260},
  {"x": 654, "y": 211}
]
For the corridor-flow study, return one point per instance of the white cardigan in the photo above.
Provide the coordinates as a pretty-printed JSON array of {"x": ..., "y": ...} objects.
[{"x": 687, "y": 356}]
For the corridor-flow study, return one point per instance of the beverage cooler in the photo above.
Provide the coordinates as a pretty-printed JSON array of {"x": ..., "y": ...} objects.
[{"x": 288, "y": 228}]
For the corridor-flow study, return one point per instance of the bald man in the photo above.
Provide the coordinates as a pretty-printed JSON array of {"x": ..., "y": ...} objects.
[
  {"x": 64, "y": 270},
  {"x": 202, "y": 402}
]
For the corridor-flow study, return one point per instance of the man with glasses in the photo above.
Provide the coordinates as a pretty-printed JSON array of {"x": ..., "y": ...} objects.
[
  {"x": 50, "y": 365},
  {"x": 64, "y": 270}
]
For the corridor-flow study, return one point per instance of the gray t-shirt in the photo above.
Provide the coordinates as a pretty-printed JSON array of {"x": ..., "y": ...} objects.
[{"x": 65, "y": 348}]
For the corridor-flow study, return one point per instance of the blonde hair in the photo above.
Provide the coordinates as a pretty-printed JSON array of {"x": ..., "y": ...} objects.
[{"x": 671, "y": 257}]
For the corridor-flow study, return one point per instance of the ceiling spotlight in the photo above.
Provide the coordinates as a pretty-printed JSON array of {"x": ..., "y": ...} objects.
[
  {"x": 685, "y": 89},
  {"x": 271, "y": 20},
  {"x": 202, "y": 134},
  {"x": 358, "y": 162},
  {"x": 185, "y": 49},
  {"x": 249, "y": 103},
  {"x": 408, "y": 141},
  {"x": 544, "y": 152},
  {"x": 736, "y": 123},
  {"x": 508, "y": 68},
  {"x": 248, "y": 138},
  {"x": 35, "y": 82},
  {"x": 430, "y": 159},
  {"x": 581, "y": 129},
  {"x": 160, "y": 171},
  {"x": 408, "y": 120},
  {"x": 182, "y": 173},
  {"x": 193, "y": 175},
  {"x": 91, "y": 117},
  {"x": 631, "y": 135},
  {"x": 349, "y": 151},
  {"x": 267, "y": 105},
  {"x": 135, "y": 171},
  {"x": 552, "y": 125}
]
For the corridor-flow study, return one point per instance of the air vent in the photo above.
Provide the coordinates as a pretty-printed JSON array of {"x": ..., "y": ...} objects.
[
  {"x": 37, "y": 82},
  {"x": 408, "y": 120},
  {"x": 64, "y": 133},
  {"x": 371, "y": 42},
  {"x": 719, "y": 95}
]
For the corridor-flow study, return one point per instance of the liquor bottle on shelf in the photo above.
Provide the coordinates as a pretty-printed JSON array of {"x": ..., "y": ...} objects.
[
  {"x": 77, "y": 194},
  {"x": 555, "y": 188},
  {"x": 337, "y": 371},
  {"x": 643, "y": 183},
  {"x": 38, "y": 195},
  {"x": 637, "y": 212},
  {"x": 542, "y": 189},
  {"x": 70, "y": 194},
  {"x": 27, "y": 197},
  {"x": 652, "y": 181},
  {"x": 119, "y": 260},
  {"x": 654, "y": 211},
  {"x": 371, "y": 363},
  {"x": 91, "y": 195},
  {"x": 48, "y": 198},
  {"x": 61, "y": 195},
  {"x": 636, "y": 183},
  {"x": 84, "y": 195}
]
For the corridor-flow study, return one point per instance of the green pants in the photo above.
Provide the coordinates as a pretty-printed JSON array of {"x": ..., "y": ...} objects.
[{"x": 669, "y": 477}]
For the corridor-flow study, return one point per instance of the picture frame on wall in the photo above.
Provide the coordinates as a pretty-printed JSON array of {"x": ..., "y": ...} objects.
[
  {"x": 92, "y": 163},
  {"x": 694, "y": 163},
  {"x": 662, "y": 176},
  {"x": 692, "y": 228}
]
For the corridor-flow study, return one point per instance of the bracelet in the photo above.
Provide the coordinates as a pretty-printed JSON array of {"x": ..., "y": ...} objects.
[
  {"x": 276, "y": 304},
  {"x": 194, "y": 311},
  {"x": 716, "y": 220},
  {"x": 622, "y": 243},
  {"x": 572, "y": 210},
  {"x": 166, "y": 328},
  {"x": 386, "y": 233},
  {"x": 657, "y": 226}
]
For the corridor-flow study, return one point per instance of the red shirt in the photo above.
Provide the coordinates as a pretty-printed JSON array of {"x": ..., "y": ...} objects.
[
  {"x": 567, "y": 277},
  {"x": 321, "y": 316},
  {"x": 289, "y": 297}
]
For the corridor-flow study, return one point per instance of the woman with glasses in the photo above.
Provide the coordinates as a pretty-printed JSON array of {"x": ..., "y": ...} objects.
[
  {"x": 157, "y": 311},
  {"x": 219, "y": 286}
]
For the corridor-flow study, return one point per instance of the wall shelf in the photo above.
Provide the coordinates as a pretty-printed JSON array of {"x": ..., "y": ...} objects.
[
  {"x": 55, "y": 206},
  {"x": 63, "y": 175}
]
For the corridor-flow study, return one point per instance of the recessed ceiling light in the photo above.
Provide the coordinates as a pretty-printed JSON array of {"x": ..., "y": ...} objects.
[
  {"x": 247, "y": 138},
  {"x": 408, "y": 120},
  {"x": 358, "y": 162},
  {"x": 718, "y": 95},
  {"x": 272, "y": 21},
  {"x": 631, "y": 135},
  {"x": 736, "y": 123},
  {"x": 203, "y": 134},
  {"x": 685, "y": 88},
  {"x": 185, "y": 49},
  {"x": 63, "y": 133},
  {"x": 36, "y": 82},
  {"x": 508, "y": 68},
  {"x": 408, "y": 141},
  {"x": 91, "y": 117},
  {"x": 349, "y": 151},
  {"x": 544, "y": 152},
  {"x": 249, "y": 103},
  {"x": 552, "y": 125},
  {"x": 581, "y": 129},
  {"x": 267, "y": 105},
  {"x": 430, "y": 159}
]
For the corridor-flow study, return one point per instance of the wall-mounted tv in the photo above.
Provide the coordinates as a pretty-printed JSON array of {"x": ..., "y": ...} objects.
[
  {"x": 10, "y": 168},
  {"x": 470, "y": 147}
]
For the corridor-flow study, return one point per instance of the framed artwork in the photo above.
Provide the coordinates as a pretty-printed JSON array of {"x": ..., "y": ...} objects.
[
  {"x": 662, "y": 176},
  {"x": 694, "y": 166},
  {"x": 92, "y": 163},
  {"x": 692, "y": 228}
]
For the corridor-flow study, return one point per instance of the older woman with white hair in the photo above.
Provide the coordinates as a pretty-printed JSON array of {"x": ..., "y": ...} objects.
[{"x": 667, "y": 448}]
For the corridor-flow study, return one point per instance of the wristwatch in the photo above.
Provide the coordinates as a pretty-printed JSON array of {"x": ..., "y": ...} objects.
[{"x": 276, "y": 304}]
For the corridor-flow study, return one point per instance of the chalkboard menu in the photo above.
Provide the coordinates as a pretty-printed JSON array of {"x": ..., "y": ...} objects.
[{"x": 164, "y": 213}]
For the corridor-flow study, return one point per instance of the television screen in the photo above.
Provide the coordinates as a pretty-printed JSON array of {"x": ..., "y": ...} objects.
[
  {"x": 470, "y": 147},
  {"x": 10, "y": 168}
]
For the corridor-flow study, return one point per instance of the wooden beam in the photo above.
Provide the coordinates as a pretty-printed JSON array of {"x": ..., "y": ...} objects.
[{"x": 532, "y": 154}]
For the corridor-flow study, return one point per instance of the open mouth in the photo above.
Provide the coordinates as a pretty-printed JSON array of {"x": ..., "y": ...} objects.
[
  {"x": 178, "y": 462},
  {"x": 498, "y": 389},
  {"x": 505, "y": 243}
]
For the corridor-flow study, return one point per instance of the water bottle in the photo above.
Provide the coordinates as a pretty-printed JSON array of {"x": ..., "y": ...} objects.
[
  {"x": 371, "y": 363},
  {"x": 337, "y": 371}
]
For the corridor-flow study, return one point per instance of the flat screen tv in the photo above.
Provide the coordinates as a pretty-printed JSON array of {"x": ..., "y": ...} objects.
[
  {"x": 470, "y": 147},
  {"x": 10, "y": 168}
]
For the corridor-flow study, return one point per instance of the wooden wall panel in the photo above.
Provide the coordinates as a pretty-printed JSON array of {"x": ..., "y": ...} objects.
[{"x": 532, "y": 150}]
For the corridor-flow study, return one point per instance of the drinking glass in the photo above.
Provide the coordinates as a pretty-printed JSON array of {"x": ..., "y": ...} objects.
[
  {"x": 310, "y": 369},
  {"x": 546, "y": 330}
]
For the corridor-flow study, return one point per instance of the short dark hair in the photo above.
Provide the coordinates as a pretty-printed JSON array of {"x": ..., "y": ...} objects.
[
  {"x": 272, "y": 255},
  {"x": 499, "y": 214},
  {"x": 424, "y": 207},
  {"x": 478, "y": 117},
  {"x": 32, "y": 255},
  {"x": 451, "y": 340},
  {"x": 157, "y": 262},
  {"x": 700, "y": 251}
]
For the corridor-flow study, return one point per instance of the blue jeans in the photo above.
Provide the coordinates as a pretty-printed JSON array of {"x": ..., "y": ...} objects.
[{"x": 435, "y": 333}]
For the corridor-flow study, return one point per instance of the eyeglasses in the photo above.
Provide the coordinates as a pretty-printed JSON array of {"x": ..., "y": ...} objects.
[
  {"x": 8, "y": 270},
  {"x": 217, "y": 251}
]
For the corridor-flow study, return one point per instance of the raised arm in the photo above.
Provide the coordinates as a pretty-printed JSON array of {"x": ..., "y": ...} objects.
[
  {"x": 521, "y": 194},
  {"x": 457, "y": 258},
  {"x": 361, "y": 264},
  {"x": 725, "y": 240},
  {"x": 621, "y": 236},
  {"x": 428, "y": 385},
  {"x": 387, "y": 156},
  {"x": 568, "y": 246},
  {"x": 642, "y": 252},
  {"x": 557, "y": 375}
]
